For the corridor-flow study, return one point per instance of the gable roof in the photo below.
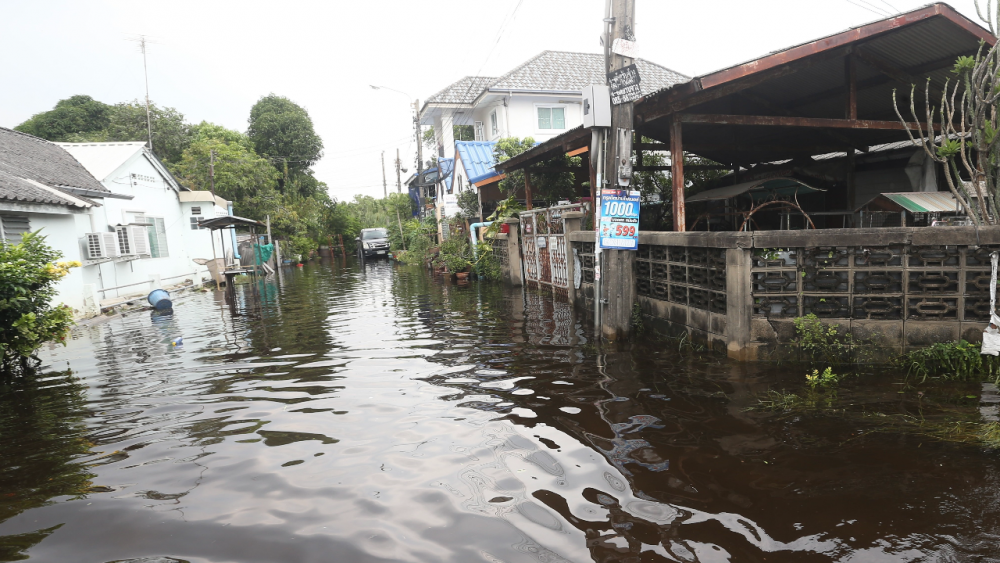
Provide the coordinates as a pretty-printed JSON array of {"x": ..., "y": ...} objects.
[
  {"x": 550, "y": 71},
  {"x": 477, "y": 159},
  {"x": 33, "y": 170},
  {"x": 465, "y": 91},
  {"x": 102, "y": 159},
  {"x": 565, "y": 71}
]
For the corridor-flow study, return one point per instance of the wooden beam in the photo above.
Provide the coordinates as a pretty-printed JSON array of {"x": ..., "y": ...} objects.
[
  {"x": 527, "y": 189},
  {"x": 691, "y": 167},
  {"x": 580, "y": 150},
  {"x": 677, "y": 158},
  {"x": 885, "y": 67},
  {"x": 851, "y": 87},
  {"x": 555, "y": 168},
  {"x": 786, "y": 121},
  {"x": 774, "y": 108}
]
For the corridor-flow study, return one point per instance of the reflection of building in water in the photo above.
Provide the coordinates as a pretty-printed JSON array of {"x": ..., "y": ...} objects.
[{"x": 621, "y": 450}]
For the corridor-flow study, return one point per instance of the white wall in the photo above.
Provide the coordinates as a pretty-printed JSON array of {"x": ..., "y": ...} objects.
[{"x": 519, "y": 117}]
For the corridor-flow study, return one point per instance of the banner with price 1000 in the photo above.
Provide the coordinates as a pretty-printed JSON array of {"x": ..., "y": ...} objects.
[{"x": 619, "y": 226}]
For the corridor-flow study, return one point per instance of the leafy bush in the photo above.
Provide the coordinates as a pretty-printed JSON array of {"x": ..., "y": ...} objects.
[
  {"x": 468, "y": 202},
  {"x": 28, "y": 275},
  {"x": 960, "y": 361},
  {"x": 824, "y": 343},
  {"x": 303, "y": 246},
  {"x": 825, "y": 379},
  {"x": 487, "y": 265},
  {"x": 456, "y": 254}
]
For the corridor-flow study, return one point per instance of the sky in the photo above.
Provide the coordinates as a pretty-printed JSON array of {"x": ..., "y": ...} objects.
[{"x": 213, "y": 59}]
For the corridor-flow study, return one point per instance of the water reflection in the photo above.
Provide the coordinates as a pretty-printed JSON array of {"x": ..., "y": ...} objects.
[{"x": 370, "y": 412}]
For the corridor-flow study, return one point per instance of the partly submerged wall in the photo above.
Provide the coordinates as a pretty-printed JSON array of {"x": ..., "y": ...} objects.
[{"x": 891, "y": 289}]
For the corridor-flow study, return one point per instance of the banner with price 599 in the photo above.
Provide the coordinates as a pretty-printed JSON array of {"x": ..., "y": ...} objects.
[{"x": 619, "y": 226}]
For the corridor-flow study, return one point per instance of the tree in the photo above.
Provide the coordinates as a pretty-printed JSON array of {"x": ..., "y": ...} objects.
[
  {"x": 28, "y": 275},
  {"x": 968, "y": 144},
  {"x": 283, "y": 132},
  {"x": 170, "y": 134},
  {"x": 240, "y": 175},
  {"x": 548, "y": 186},
  {"x": 73, "y": 119}
]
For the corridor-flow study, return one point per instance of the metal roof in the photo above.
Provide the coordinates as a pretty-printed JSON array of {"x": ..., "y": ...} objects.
[
  {"x": 33, "y": 170},
  {"x": 229, "y": 221},
  {"x": 761, "y": 188},
  {"x": 477, "y": 159},
  {"x": 916, "y": 202}
]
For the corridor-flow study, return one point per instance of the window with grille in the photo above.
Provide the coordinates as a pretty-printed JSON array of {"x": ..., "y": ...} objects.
[
  {"x": 194, "y": 223},
  {"x": 196, "y": 211},
  {"x": 12, "y": 227},
  {"x": 157, "y": 237}
]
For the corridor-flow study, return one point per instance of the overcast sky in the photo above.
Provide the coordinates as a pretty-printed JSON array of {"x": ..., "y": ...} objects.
[{"x": 212, "y": 60}]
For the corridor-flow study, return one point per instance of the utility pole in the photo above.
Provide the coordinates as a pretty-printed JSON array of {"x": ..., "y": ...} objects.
[
  {"x": 399, "y": 181},
  {"x": 211, "y": 172},
  {"x": 385, "y": 190},
  {"x": 619, "y": 285},
  {"x": 419, "y": 136},
  {"x": 145, "y": 73}
]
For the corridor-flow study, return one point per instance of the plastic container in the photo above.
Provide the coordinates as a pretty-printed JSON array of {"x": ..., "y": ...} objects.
[{"x": 159, "y": 299}]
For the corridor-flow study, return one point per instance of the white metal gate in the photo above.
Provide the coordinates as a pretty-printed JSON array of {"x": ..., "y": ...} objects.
[{"x": 543, "y": 238}]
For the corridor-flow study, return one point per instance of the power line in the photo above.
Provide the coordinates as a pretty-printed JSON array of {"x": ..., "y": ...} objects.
[
  {"x": 851, "y": 2},
  {"x": 503, "y": 26},
  {"x": 894, "y": 9}
]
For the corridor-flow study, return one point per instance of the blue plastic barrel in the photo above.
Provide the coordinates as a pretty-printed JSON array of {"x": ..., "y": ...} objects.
[{"x": 159, "y": 299}]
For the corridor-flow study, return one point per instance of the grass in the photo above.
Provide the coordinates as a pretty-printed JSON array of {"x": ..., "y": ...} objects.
[{"x": 951, "y": 361}]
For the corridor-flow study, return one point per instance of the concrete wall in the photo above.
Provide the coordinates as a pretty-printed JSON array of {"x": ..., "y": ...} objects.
[{"x": 893, "y": 289}]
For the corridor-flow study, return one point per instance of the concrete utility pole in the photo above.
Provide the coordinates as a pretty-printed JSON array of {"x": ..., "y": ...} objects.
[
  {"x": 619, "y": 285},
  {"x": 399, "y": 181},
  {"x": 385, "y": 189},
  {"x": 145, "y": 74}
]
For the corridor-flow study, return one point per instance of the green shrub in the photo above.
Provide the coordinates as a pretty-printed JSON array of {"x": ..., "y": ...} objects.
[
  {"x": 303, "y": 245},
  {"x": 825, "y": 379},
  {"x": 487, "y": 265},
  {"x": 455, "y": 253},
  {"x": 959, "y": 361},
  {"x": 28, "y": 275},
  {"x": 824, "y": 343}
]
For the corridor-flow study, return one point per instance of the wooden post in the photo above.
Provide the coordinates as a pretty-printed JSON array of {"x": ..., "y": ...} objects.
[
  {"x": 677, "y": 174},
  {"x": 618, "y": 279},
  {"x": 527, "y": 189},
  {"x": 851, "y": 112}
]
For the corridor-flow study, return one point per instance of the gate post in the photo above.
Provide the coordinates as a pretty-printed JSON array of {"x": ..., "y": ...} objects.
[
  {"x": 514, "y": 252},
  {"x": 572, "y": 222}
]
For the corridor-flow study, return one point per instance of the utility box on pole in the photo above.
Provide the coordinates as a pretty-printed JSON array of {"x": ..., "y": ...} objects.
[{"x": 596, "y": 106}]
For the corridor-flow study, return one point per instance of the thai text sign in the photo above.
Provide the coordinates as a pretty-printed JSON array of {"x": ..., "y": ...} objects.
[
  {"x": 624, "y": 85},
  {"x": 619, "y": 226}
]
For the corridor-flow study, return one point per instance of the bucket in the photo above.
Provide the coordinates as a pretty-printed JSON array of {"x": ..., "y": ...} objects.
[{"x": 159, "y": 299}]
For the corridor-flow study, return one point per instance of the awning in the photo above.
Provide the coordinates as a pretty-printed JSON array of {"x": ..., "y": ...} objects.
[
  {"x": 914, "y": 202},
  {"x": 758, "y": 189},
  {"x": 228, "y": 221}
]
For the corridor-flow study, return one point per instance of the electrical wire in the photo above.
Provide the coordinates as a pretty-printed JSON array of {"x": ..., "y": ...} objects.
[
  {"x": 863, "y": 7},
  {"x": 894, "y": 9},
  {"x": 503, "y": 27}
]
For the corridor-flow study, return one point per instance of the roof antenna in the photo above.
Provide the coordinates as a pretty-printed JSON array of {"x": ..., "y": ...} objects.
[{"x": 145, "y": 73}]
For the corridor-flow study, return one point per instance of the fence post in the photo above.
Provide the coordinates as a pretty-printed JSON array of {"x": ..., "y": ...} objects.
[
  {"x": 572, "y": 221},
  {"x": 514, "y": 252},
  {"x": 739, "y": 304}
]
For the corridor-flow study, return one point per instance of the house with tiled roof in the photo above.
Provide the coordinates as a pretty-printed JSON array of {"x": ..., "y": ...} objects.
[
  {"x": 540, "y": 98},
  {"x": 113, "y": 207}
]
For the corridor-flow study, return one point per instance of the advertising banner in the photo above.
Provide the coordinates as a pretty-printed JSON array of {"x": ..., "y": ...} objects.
[{"x": 619, "y": 226}]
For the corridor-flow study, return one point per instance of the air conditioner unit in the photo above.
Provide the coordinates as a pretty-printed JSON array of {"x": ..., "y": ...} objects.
[
  {"x": 101, "y": 245},
  {"x": 140, "y": 241}
]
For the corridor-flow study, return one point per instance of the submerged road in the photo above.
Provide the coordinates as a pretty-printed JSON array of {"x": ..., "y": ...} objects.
[{"x": 374, "y": 413}]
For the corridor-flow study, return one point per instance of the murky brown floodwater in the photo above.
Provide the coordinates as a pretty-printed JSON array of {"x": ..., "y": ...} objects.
[{"x": 379, "y": 415}]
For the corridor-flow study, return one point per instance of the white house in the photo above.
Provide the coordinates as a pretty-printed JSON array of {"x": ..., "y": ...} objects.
[
  {"x": 168, "y": 211},
  {"x": 111, "y": 206},
  {"x": 540, "y": 99}
]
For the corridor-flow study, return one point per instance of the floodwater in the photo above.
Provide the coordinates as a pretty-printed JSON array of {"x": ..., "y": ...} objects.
[{"x": 375, "y": 413}]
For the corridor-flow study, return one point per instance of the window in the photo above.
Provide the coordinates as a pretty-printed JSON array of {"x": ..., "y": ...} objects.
[
  {"x": 194, "y": 223},
  {"x": 196, "y": 210},
  {"x": 480, "y": 134},
  {"x": 551, "y": 118},
  {"x": 157, "y": 237},
  {"x": 12, "y": 227},
  {"x": 494, "y": 124}
]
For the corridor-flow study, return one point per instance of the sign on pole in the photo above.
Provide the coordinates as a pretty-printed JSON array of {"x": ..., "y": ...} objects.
[
  {"x": 624, "y": 84},
  {"x": 619, "y": 223},
  {"x": 625, "y": 48}
]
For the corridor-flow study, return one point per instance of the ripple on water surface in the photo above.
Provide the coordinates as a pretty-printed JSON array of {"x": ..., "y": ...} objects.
[{"x": 373, "y": 413}]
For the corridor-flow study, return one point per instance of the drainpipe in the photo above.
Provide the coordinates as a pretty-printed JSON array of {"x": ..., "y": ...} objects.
[
  {"x": 232, "y": 233},
  {"x": 472, "y": 235}
]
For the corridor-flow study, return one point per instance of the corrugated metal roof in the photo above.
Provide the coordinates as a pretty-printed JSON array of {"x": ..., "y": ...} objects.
[
  {"x": 919, "y": 202},
  {"x": 477, "y": 159}
]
